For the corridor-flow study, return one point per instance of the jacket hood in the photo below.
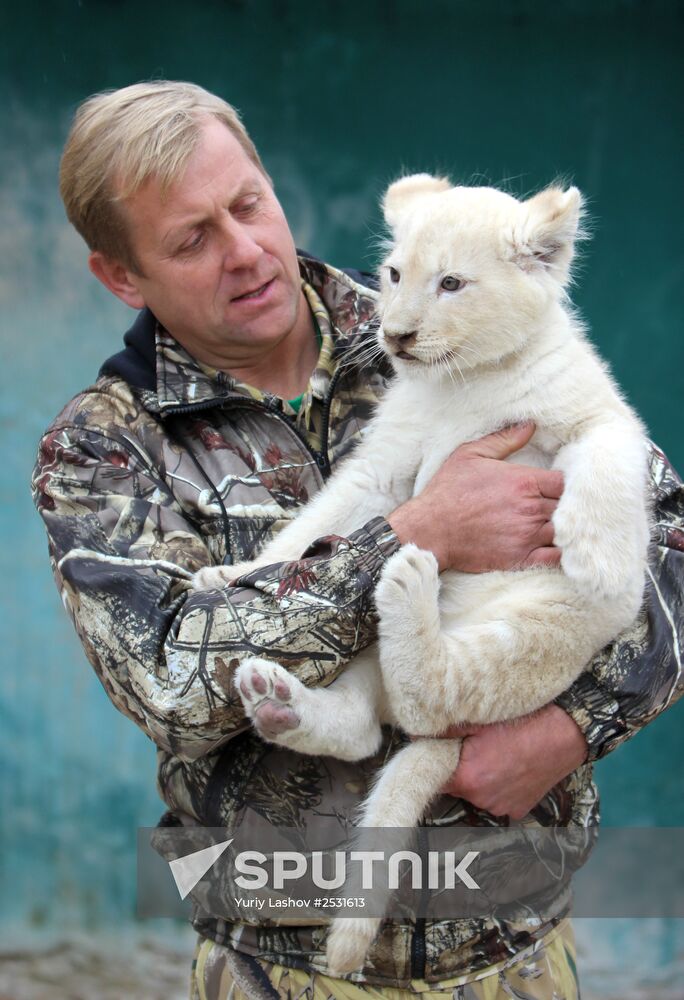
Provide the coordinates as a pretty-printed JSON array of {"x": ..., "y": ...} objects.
[{"x": 136, "y": 363}]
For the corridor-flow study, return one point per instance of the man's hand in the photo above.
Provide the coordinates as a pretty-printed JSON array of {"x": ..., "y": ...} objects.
[
  {"x": 506, "y": 768},
  {"x": 479, "y": 513}
]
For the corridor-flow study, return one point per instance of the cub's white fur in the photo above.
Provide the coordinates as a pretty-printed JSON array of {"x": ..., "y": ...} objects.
[{"x": 497, "y": 345}]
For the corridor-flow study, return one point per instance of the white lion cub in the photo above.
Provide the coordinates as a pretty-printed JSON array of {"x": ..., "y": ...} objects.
[{"x": 475, "y": 317}]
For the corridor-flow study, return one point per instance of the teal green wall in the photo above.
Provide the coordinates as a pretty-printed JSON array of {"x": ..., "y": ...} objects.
[{"x": 339, "y": 98}]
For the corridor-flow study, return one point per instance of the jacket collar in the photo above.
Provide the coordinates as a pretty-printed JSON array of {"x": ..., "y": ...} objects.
[{"x": 172, "y": 380}]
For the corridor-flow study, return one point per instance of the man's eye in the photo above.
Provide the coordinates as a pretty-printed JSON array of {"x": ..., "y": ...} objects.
[
  {"x": 247, "y": 206},
  {"x": 394, "y": 275},
  {"x": 451, "y": 284},
  {"x": 192, "y": 244}
]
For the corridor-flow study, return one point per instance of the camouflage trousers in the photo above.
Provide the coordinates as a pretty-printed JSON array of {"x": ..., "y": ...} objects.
[{"x": 545, "y": 972}]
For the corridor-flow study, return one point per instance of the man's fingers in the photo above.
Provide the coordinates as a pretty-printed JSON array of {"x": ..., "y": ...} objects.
[
  {"x": 459, "y": 732},
  {"x": 544, "y": 537},
  {"x": 503, "y": 443},
  {"x": 547, "y": 508},
  {"x": 550, "y": 483},
  {"x": 456, "y": 732},
  {"x": 545, "y": 556}
]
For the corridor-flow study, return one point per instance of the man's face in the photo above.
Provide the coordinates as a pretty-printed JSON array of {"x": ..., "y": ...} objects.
[{"x": 217, "y": 257}]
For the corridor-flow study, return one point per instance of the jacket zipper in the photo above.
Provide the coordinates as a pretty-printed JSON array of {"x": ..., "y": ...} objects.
[
  {"x": 326, "y": 419},
  {"x": 418, "y": 948},
  {"x": 319, "y": 457}
]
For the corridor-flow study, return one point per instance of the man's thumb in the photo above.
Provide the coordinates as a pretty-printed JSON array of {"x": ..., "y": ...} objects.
[{"x": 503, "y": 443}]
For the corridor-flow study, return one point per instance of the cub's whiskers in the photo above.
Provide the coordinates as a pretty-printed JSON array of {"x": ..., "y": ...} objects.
[{"x": 363, "y": 355}]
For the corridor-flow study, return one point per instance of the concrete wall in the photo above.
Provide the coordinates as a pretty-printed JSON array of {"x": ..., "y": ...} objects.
[{"x": 339, "y": 98}]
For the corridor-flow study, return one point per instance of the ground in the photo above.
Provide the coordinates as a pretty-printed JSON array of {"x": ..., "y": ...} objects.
[{"x": 143, "y": 966}]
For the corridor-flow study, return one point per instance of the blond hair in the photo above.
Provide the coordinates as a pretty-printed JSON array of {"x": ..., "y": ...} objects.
[{"x": 121, "y": 138}]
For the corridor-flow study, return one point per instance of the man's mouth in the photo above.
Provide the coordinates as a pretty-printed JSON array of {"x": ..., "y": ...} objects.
[{"x": 254, "y": 293}]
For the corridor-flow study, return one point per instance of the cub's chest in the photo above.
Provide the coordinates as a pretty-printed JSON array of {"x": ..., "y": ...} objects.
[{"x": 540, "y": 452}]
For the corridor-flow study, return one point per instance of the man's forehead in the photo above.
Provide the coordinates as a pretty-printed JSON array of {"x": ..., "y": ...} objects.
[
  {"x": 218, "y": 172},
  {"x": 217, "y": 160}
]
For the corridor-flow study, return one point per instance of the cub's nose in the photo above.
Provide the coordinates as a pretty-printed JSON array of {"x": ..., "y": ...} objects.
[{"x": 400, "y": 338}]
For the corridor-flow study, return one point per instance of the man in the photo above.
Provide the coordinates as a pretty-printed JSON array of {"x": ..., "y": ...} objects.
[{"x": 235, "y": 394}]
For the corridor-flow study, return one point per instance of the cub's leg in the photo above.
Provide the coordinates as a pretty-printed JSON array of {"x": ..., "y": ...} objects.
[
  {"x": 338, "y": 721},
  {"x": 348, "y": 942},
  {"x": 497, "y": 646},
  {"x": 375, "y": 480},
  {"x": 601, "y": 523},
  {"x": 350, "y": 499},
  {"x": 401, "y": 794},
  {"x": 407, "y": 600}
]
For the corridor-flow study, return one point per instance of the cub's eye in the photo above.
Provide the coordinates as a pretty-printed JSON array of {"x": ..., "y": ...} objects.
[
  {"x": 451, "y": 284},
  {"x": 394, "y": 275}
]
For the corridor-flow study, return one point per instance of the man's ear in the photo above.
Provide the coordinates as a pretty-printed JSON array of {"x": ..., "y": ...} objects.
[
  {"x": 550, "y": 224},
  {"x": 117, "y": 278},
  {"x": 402, "y": 194}
]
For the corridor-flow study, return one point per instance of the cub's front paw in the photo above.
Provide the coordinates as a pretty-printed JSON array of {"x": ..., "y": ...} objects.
[
  {"x": 604, "y": 563},
  {"x": 408, "y": 587},
  {"x": 217, "y": 577},
  {"x": 270, "y": 695}
]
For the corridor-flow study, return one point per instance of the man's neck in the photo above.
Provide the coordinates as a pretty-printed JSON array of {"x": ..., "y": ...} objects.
[{"x": 286, "y": 369}]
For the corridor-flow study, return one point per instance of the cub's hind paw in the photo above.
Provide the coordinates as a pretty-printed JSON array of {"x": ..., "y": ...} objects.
[{"x": 268, "y": 694}]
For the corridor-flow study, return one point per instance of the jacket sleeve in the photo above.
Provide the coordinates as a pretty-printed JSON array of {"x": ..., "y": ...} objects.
[
  {"x": 123, "y": 552},
  {"x": 635, "y": 678}
]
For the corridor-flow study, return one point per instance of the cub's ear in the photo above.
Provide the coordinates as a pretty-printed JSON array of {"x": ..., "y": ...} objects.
[
  {"x": 545, "y": 235},
  {"x": 402, "y": 194}
]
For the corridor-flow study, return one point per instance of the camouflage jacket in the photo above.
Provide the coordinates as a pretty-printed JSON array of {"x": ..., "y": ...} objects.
[{"x": 163, "y": 466}]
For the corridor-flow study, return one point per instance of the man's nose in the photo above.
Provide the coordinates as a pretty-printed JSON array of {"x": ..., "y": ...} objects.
[
  {"x": 241, "y": 248},
  {"x": 402, "y": 338}
]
